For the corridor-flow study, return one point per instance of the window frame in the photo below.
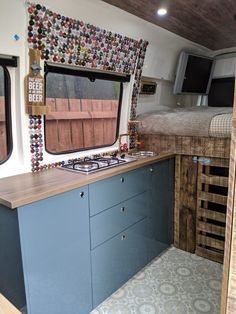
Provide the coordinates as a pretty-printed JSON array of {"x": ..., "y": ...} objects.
[
  {"x": 7, "y": 95},
  {"x": 92, "y": 75}
]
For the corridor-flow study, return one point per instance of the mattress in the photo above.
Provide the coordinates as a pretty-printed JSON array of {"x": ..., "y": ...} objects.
[{"x": 195, "y": 121}]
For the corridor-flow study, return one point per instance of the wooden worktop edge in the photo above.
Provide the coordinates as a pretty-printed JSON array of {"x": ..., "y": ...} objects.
[{"x": 43, "y": 185}]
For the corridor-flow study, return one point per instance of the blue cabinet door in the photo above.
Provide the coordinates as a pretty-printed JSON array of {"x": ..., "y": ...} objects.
[
  {"x": 116, "y": 260},
  {"x": 54, "y": 235},
  {"x": 161, "y": 206}
]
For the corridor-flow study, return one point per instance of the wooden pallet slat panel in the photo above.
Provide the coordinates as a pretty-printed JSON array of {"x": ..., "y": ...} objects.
[
  {"x": 211, "y": 228},
  {"x": 212, "y": 255},
  {"x": 210, "y": 214},
  {"x": 210, "y": 242},
  {"x": 211, "y": 210},
  {"x": 214, "y": 180},
  {"x": 213, "y": 198}
]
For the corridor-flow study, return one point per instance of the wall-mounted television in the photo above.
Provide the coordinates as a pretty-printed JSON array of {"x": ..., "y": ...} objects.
[{"x": 193, "y": 75}]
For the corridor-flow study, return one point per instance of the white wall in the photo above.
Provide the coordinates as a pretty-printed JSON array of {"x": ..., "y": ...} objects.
[
  {"x": 225, "y": 66},
  {"x": 160, "y": 62}
]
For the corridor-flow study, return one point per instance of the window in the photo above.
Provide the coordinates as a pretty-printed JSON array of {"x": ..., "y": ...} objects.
[
  {"x": 5, "y": 114},
  {"x": 85, "y": 109},
  {"x": 221, "y": 93}
]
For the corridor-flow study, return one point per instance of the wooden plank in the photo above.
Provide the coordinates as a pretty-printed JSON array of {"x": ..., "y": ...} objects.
[
  {"x": 177, "y": 200},
  {"x": 214, "y": 180},
  {"x": 228, "y": 292},
  {"x": 51, "y": 128},
  {"x": 187, "y": 206},
  {"x": 109, "y": 136},
  {"x": 210, "y": 242},
  {"x": 77, "y": 137},
  {"x": 6, "y": 307},
  {"x": 2, "y": 117},
  {"x": 114, "y": 106},
  {"x": 98, "y": 121},
  {"x": 210, "y": 228},
  {"x": 213, "y": 198},
  {"x": 188, "y": 145},
  {"x": 86, "y": 105},
  {"x": 212, "y": 255},
  {"x": 219, "y": 162},
  {"x": 63, "y": 127},
  {"x": 210, "y": 214},
  {"x": 73, "y": 115}
]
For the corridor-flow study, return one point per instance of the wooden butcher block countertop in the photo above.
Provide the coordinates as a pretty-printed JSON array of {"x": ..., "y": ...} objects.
[{"x": 26, "y": 188}]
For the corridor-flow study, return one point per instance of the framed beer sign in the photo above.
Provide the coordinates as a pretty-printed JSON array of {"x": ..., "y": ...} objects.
[{"x": 34, "y": 86}]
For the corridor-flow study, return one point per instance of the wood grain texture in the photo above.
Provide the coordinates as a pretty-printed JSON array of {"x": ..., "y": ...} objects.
[
  {"x": 210, "y": 24},
  {"x": 177, "y": 200},
  {"x": 211, "y": 209},
  {"x": 75, "y": 124},
  {"x": 186, "y": 145},
  {"x": 228, "y": 293},
  {"x": 187, "y": 204},
  {"x": 26, "y": 188},
  {"x": 6, "y": 307}
]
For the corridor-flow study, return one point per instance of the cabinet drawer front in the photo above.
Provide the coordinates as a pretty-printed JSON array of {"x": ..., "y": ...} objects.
[
  {"x": 117, "y": 260},
  {"x": 113, "y": 220},
  {"x": 109, "y": 192}
]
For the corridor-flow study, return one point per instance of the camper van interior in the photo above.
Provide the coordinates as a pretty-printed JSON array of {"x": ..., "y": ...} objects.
[{"x": 117, "y": 157}]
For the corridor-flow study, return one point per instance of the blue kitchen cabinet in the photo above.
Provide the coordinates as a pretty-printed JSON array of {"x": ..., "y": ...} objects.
[
  {"x": 161, "y": 193},
  {"x": 117, "y": 260},
  {"x": 55, "y": 246},
  {"x": 112, "y": 221},
  {"x": 109, "y": 192}
]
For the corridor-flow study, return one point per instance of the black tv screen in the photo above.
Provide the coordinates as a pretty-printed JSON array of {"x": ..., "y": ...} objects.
[{"x": 193, "y": 74}]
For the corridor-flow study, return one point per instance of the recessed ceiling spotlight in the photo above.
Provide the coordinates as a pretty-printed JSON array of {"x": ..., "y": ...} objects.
[{"x": 161, "y": 11}]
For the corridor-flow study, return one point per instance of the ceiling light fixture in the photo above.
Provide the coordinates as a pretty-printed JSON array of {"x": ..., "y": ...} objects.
[{"x": 161, "y": 11}]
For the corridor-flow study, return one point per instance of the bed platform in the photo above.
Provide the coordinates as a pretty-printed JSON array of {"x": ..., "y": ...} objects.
[{"x": 201, "y": 178}]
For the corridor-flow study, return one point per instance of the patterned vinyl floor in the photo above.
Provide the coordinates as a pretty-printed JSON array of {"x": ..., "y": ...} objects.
[{"x": 177, "y": 282}]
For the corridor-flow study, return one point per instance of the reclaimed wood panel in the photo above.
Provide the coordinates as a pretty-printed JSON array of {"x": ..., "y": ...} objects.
[
  {"x": 3, "y": 131},
  {"x": 186, "y": 211},
  {"x": 187, "y": 145},
  {"x": 215, "y": 23},
  {"x": 210, "y": 214},
  {"x": 214, "y": 180},
  {"x": 211, "y": 210},
  {"x": 177, "y": 200}
]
